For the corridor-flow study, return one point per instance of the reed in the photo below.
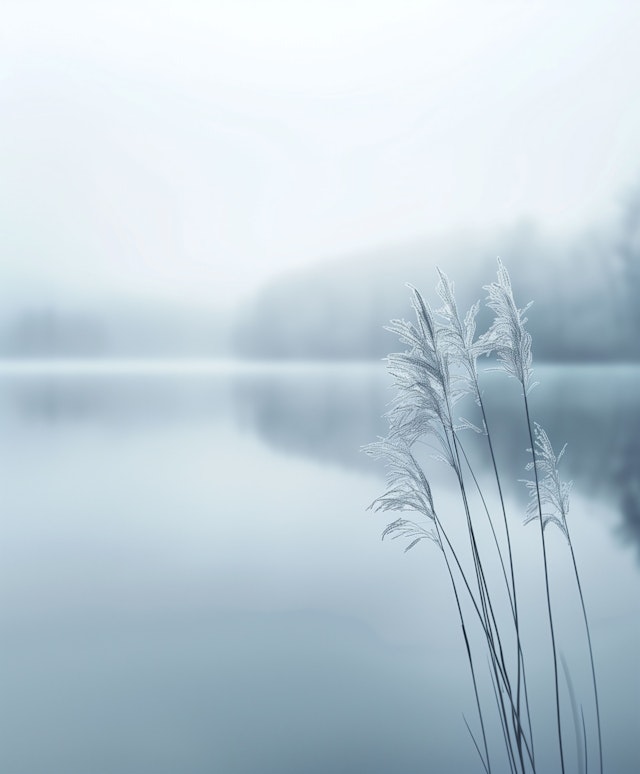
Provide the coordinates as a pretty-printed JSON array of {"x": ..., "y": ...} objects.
[{"x": 435, "y": 375}]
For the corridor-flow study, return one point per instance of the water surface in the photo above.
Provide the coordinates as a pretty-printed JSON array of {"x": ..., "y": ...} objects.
[{"x": 189, "y": 580}]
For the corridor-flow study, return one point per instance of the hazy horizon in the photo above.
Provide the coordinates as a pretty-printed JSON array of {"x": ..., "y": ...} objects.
[{"x": 191, "y": 155}]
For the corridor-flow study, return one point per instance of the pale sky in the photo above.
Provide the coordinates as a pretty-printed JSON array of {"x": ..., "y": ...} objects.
[{"x": 194, "y": 149}]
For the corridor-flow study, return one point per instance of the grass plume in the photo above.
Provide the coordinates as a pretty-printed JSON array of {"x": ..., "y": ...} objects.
[{"x": 438, "y": 370}]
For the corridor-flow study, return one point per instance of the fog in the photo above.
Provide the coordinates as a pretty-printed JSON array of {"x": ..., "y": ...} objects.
[
  {"x": 208, "y": 212},
  {"x": 191, "y": 152}
]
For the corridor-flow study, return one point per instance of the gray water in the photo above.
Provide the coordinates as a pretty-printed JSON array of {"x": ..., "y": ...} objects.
[{"x": 189, "y": 580}]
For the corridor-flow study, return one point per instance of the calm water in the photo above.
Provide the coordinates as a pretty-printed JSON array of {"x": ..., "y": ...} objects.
[{"x": 190, "y": 582}]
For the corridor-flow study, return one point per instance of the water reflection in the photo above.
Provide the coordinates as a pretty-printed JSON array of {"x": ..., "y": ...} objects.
[
  {"x": 625, "y": 483},
  {"x": 595, "y": 410},
  {"x": 111, "y": 398},
  {"x": 327, "y": 412},
  {"x": 144, "y": 573}
]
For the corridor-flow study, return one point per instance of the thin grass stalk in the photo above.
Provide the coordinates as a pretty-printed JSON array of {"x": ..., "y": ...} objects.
[
  {"x": 521, "y": 676},
  {"x": 455, "y": 455},
  {"x": 555, "y": 493},
  {"x": 593, "y": 669},
  {"x": 405, "y": 471},
  {"x": 475, "y": 744},
  {"x": 490, "y": 521},
  {"x": 512, "y": 343},
  {"x": 490, "y": 619},
  {"x": 484, "y": 619},
  {"x": 489, "y": 622},
  {"x": 520, "y": 655},
  {"x": 584, "y": 739},
  {"x": 482, "y": 624},
  {"x": 574, "y": 713},
  {"x": 489, "y": 625},
  {"x": 546, "y": 581},
  {"x": 510, "y": 756},
  {"x": 487, "y": 764}
]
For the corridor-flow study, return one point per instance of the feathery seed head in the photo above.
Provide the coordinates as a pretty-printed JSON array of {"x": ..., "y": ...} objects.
[
  {"x": 456, "y": 336},
  {"x": 407, "y": 490},
  {"x": 554, "y": 493},
  {"x": 507, "y": 335}
]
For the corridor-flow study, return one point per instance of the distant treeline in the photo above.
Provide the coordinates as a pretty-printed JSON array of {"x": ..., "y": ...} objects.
[
  {"x": 113, "y": 329},
  {"x": 585, "y": 293}
]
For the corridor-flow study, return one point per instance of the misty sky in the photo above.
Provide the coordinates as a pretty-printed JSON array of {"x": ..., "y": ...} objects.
[{"x": 193, "y": 149}]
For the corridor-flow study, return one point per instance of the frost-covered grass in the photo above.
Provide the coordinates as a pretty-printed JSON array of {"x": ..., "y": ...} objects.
[{"x": 435, "y": 373}]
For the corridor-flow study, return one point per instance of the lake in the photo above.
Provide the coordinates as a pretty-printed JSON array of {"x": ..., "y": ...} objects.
[{"x": 190, "y": 580}]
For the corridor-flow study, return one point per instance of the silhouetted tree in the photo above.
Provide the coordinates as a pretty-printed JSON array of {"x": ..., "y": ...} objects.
[{"x": 628, "y": 251}]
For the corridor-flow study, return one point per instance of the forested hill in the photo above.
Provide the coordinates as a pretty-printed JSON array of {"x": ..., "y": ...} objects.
[{"x": 584, "y": 293}]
